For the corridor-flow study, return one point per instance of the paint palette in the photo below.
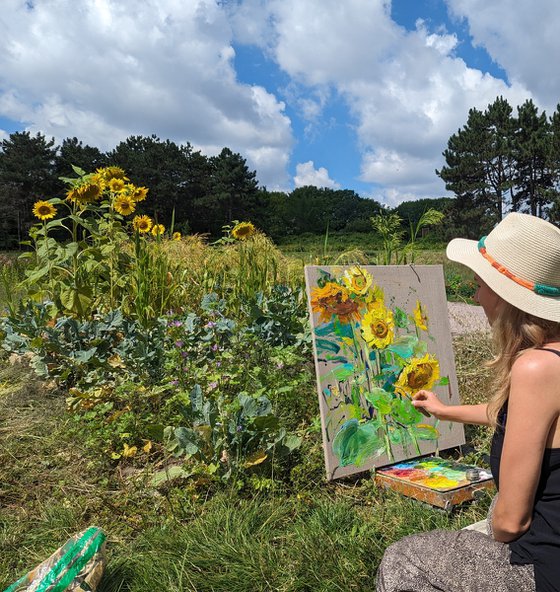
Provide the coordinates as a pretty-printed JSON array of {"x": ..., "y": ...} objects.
[{"x": 437, "y": 481}]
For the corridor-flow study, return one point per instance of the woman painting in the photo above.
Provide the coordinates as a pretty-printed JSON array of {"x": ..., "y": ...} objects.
[{"x": 517, "y": 268}]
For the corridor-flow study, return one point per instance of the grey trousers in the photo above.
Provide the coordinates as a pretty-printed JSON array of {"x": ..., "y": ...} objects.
[{"x": 451, "y": 561}]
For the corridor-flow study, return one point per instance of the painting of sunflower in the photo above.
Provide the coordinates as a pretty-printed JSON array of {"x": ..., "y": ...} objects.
[{"x": 373, "y": 352}]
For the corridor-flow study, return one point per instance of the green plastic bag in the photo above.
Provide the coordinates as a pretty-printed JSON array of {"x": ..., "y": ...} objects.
[{"x": 77, "y": 566}]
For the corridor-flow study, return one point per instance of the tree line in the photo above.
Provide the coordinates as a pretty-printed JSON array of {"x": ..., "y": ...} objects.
[
  {"x": 200, "y": 193},
  {"x": 500, "y": 162},
  {"x": 496, "y": 163}
]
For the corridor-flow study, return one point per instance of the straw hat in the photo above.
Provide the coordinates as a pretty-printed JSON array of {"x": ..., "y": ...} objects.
[{"x": 520, "y": 261}]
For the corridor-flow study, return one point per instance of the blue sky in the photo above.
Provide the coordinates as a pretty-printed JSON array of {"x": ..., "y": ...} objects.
[{"x": 360, "y": 94}]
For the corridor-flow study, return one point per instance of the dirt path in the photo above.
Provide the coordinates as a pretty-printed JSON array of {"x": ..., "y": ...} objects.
[{"x": 466, "y": 318}]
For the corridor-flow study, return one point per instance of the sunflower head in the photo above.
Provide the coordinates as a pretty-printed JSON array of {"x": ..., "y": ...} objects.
[
  {"x": 44, "y": 210},
  {"x": 116, "y": 185},
  {"x": 177, "y": 236},
  {"x": 142, "y": 224},
  {"x": 334, "y": 299},
  {"x": 420, "y": 316},
  {"x": 419, "y": 373},
  {"x": 158, "y": 229},
  {"x": 357, "y": 280},
  {"x": 124, "y": 205},
  {"x": 378, "y": 327},
  {"x": 139, "y": 193},
  {"x": 111, "y": 172},
  {"x": 243, "y": 231},
  {"x": 85, "y": 193}
]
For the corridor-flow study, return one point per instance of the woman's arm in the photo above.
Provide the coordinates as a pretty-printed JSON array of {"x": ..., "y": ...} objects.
[
  {"x": 429, "y": 402},
  {"x": 533, "y": 409}
]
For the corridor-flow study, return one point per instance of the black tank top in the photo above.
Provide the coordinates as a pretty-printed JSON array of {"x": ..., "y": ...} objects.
[{"x": 540, "y": 545}]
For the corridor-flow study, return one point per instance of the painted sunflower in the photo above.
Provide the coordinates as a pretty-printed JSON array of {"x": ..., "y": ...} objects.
[
  {"x": 158, "y": 229},
  {"x": 334, "y": 299},
  {"x": 44, "y": 210},
  {"x": 374, "y": 298},
  {"x": 142, "y": 224},
  {"x": 243, "y": 231},
  {"x": 420, "y": 316},
  {"x": 357, "y": 280},
  {"x": 378, "y": 327},
  {"x": 124, "y": 205},
  {"x": 419, "y": 373}
]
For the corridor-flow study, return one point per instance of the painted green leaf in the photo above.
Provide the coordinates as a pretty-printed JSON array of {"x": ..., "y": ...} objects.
[
  {"x": 398, "y": 435},
  {"x": 355, "y": 442},
  {"x": 325, "y": 329},
  {"x": 403, "y": 411},
  {"x": 404, "y": 346},
  {"x": 340, "y": 373},
  {"x": 420, "y": 349},
  {"x": 444, "y": 381},
  {"x": 401, "y": 319},
  {"x": 423, "y": 431},
  {"x": 327, "y": 345},
  {"x": 380, "y": 399}
]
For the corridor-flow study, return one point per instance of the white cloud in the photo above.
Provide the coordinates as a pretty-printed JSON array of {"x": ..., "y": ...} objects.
[
  {"x": 307, "y": 174},
  {"x": 522, "y": 37},
  {"x": 102, "y": 70},
  {"x": 407, "y": 91}
]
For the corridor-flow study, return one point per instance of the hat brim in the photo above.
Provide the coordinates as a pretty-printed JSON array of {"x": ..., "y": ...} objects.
[{"x": 466, "y": 252}]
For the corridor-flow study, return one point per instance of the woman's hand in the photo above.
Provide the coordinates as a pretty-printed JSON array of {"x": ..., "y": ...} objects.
[{"x": 428, "y": 403}]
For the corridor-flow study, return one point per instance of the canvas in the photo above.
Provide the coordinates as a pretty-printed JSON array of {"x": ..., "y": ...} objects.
[{"x": 380, "y": 334}]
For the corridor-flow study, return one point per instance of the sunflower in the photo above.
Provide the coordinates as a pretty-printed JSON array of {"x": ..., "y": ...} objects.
[
  {"x": 142, "y": 223},
  {"x": 44, "y": 210},
  {"x": 177, "y": 236},
  {"x": 334, "y": 299},
  {"x": 139, "y": 193},
  {"x": 85, "y": 193},
  {"x": 357, "y": 280},
  {"x": 116, "y": 185},
  {"x": 378, "y": 327},
  {"x": 243, "y": 231},
  {"x": 111, "y": 172},
  {"x": 158, "y": 229},
  {"x": 124, "y": 205},
  {"x": 420, "y": 316},
  {"x": 418, "y": 374},
  {"x": 374, "y": 298}
]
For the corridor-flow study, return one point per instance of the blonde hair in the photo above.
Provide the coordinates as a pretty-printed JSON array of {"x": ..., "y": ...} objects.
[{"x": 514, "y": 332}]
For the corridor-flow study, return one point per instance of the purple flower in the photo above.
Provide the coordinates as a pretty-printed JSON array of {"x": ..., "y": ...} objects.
[
  {"x": 218, "y": 364},
  {"x": 215, "y": 347},
  {"x": 176, "y": 323},
  {"x": 179, "y": 343},
  {"x": 175, "y": 382},
  {"x": 212, "y": 385},
  {"x": 184, "y": 354},
  {"x": 210, "y": 325}
]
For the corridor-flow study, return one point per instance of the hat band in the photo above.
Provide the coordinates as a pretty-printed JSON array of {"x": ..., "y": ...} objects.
[{"x": 541, "y": 289}]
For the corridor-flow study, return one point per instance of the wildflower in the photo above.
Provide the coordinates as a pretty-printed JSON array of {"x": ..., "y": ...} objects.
[
  {"x": 116, "y": 185},
  {"x": 210, "y": 325},
  {"x": 177, "y": 236},
  {"x": 357, "y": 280},
  {"x": 378, "y": 327},
  {"x": 333, "y": 299},
  {"x": 158, "y": 229},
  {"x": 179, "y": 343},
  {"x": 124, "y": 204},
  {"x": 142, "y": 223},
  {"x": 44, "y": 210},
  {"x": 175, "y": 383},
  {"x": 420, "y": 373},
  {"x": 243, "y": 231},
  {"x": 129, "y": 451},
  {"x": 213, "y": 385},
  {"x": 420, "y": 316},
  {"x": 147, "y": 446}
]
